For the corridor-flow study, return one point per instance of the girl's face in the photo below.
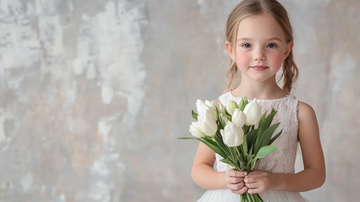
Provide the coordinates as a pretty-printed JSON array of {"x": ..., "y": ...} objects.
[{"x": 261, "y": 47}]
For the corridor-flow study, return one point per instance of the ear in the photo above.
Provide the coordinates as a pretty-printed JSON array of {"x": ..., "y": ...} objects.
[
  {"x": 289, "y": 47},
  {"x": 229, "y": 50}
]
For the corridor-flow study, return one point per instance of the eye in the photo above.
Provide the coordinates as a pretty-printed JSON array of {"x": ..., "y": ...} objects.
[
  {"x": 246, "y": 45},
  {"x": 272, "y": 45}
]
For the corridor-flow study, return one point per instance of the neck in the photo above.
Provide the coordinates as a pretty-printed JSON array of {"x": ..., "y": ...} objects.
[{"x": 264, "y": 90}]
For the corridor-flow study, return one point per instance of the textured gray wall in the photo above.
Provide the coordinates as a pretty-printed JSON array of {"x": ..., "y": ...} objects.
[{"x": 94, "y": 93}]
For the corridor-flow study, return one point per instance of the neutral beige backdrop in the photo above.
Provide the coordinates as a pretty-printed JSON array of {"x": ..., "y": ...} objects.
[{"x": 94, "y": 93}]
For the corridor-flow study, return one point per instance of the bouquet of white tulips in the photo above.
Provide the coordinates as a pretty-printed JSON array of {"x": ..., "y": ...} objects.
[{"x": 231, "y": 133}]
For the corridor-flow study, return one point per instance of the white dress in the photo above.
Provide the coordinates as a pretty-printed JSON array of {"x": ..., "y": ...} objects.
[{"x": 279, "y": 161}]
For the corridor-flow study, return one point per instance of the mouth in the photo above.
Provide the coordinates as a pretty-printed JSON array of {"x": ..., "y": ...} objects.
[{"x": 259, "y": 68}]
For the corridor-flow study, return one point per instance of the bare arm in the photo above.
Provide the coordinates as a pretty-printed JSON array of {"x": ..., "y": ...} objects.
[
  {"x": 203, "y": 173},
  {"x": 313, "y": 175}
]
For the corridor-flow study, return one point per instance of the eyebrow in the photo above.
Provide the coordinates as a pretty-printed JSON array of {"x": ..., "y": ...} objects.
[{"x": 247, "y": 39}]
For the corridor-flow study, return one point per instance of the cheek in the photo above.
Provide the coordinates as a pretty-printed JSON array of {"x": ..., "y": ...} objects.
[
  {"x": 276, "y": 59},
  {"x": 242, "y": 59}
]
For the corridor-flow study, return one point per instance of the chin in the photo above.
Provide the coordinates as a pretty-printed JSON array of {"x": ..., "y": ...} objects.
[{"x": 261, "y": 78}]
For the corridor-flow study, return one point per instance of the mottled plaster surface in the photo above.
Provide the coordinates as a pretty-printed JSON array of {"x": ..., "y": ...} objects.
[
  {"x": 93, "y": 94},
  {"x": 72, "y": 85}
]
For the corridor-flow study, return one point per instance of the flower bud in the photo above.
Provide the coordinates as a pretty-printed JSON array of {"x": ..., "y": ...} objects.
[
  {"x": 243, "y": 102},
  {"x": 231, "y": 106},
  {"x": 252, "y": 112}
]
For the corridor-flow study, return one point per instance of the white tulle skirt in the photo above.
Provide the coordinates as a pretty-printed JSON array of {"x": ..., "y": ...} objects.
[{"x": 225, "y": 195}]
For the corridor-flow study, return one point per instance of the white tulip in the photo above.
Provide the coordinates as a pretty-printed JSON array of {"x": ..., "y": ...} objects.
[
  {"x": 207, "y": 125},
  {"x": 252, "y": 112},
  {"x": 211, "y": 104},
  {"x": 195, "y": 130},
  {"x": 215, "y": 105},
  {"x": 232, "y": 135},
  {"x": 203, "y": 108},
  {"x": 200, "y": 106},
  {"x": 239, "y": 118},
  {"x": 221, "y": 108},
  {"x": 231, "y": 106}
]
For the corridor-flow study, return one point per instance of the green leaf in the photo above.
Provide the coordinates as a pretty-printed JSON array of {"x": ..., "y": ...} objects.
[
  {"x": 251, "y": 150},
  {"x": 246, "y": 129},
  {"x": 261, "y": 128},
  {"x": 273, "y": 110},
  {"x": 227, "y": 161},
  {"x": 263, "y": 125},
  {"x": 251, "y": 137},
  {"x": 265, "y": 150},
  {"x": 194, "y": 115},
  {"x": 253, "y": 163},
  {"x": 188, "y": 138},
  {"x": 249, "y": 158},
  {"x": 227, "y": 114},
  {"x": 242, "y": 164},
  {"x": 264, "y": 139},
  {"x": 262, "y": 119},
  {"x": 220, "y": 142},
  {"x": 233, "y": 154},
  {"x": 276, "y": 136},
  {"x": 211, "y": 144}
]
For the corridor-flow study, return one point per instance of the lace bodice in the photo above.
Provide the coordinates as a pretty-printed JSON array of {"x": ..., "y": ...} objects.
[{"x": 283, "y": 159}]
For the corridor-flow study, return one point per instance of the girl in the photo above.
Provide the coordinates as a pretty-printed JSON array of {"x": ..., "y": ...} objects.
[{"x": 259, "y": 41}]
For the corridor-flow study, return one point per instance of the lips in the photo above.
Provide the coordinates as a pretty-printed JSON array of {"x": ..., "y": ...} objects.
[{"x": 259, "y": 68}]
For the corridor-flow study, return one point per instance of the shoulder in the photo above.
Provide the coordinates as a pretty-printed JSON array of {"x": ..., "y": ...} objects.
[
  {"x": 305, "y": 110},
  {"x": 306, "y": 114}
]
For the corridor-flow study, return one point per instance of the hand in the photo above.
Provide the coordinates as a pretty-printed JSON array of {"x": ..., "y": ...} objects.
[
  {"x": 234, "y": 180},
  {"x": 259, "y": 181}
]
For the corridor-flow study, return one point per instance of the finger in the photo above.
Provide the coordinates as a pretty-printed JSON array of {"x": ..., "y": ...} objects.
[
  {"x": 254, "y": 191},
  {"x": 252, "y": 185},
  {"x": 236, "y": 187},
  {"x": 238, "y": 174},
  {"x": 253, "y": 173},
  {"x": 241, "y": 191},
  {"x": 249, "y": 179},
  {"x": 235, "y": 180}
]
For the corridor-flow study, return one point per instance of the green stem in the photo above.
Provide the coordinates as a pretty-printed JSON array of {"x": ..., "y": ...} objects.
[{"x": 246, "y": 197}]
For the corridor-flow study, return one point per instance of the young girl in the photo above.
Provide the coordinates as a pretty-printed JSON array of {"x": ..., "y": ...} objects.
[{"x": 259, "y": 41}]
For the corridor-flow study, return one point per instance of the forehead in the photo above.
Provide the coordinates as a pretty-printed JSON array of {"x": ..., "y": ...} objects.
[{"x": 259, "y": 26}]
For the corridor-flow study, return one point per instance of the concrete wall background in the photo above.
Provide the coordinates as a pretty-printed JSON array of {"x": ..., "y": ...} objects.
[{"x": 93, "y": 94}]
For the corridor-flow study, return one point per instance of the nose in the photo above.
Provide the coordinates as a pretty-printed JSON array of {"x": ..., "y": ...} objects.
[{"x": 259, "y": 55}]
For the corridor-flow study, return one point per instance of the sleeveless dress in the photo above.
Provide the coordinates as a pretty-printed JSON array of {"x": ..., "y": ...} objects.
[{"x": 280, "y": 161}]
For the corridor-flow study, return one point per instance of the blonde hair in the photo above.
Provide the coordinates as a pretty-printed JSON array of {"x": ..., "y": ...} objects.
[{"x": 248, "y": 8}]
